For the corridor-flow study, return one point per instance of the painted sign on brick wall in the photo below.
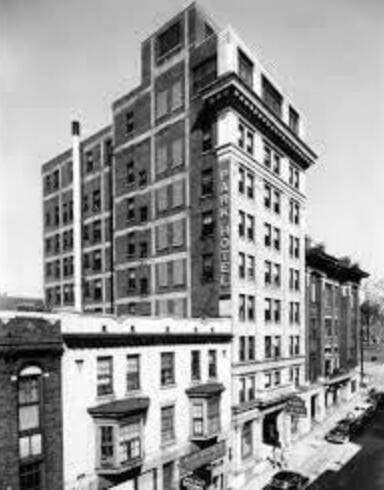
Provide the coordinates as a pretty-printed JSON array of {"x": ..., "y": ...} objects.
[{"x": 225, "y": 229}]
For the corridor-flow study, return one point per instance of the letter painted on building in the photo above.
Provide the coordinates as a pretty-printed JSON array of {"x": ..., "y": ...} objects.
[{"x": 224, "y": 229}]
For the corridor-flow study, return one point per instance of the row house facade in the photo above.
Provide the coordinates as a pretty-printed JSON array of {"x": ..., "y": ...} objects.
[
  {"x": 208, "y": 214},
  {"x": 333, "y": 327},
  {"x": 93, "y": 402}
]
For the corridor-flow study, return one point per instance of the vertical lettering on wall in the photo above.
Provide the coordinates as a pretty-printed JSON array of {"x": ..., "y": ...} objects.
[{"x": 225, "y": 230}]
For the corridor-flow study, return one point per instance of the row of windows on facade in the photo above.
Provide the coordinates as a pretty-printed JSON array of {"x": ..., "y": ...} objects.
[
  {"x": 167, "y": 371},
  {"x": 332, "y": 293},
  {"x": 176, "y": 307},
  {"x": 271, "y": 159},
  {"x": 52, "y": 181},
  {"x": 269, "y": 94},
  {"x": 272, "y": 348},
  {"x": 272, "y": 310},
  {"x": 92, "y": 290},
  {"x": 272, "y": 234}
]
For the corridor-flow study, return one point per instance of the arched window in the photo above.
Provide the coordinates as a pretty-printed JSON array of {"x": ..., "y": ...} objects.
[{"x": 29, "y": 427}]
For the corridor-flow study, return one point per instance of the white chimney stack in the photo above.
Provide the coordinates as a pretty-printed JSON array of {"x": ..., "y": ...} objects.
[{"x": 77, "y": 236}]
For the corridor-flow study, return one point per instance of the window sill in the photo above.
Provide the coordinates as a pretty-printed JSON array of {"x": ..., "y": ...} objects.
[{"x": 168, "y": 386}]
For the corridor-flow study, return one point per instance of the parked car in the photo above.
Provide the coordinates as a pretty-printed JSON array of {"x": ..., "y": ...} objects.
[
  {"x": 287, "y": 480},
  {"x": 337, "y": 435}
]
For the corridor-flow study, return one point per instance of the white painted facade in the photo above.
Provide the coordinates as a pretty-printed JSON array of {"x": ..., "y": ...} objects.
[{"x": 79, "y": 389}]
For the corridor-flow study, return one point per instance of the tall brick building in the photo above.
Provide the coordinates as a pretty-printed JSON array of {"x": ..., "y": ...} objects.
[{"x": 193, "y": 204}]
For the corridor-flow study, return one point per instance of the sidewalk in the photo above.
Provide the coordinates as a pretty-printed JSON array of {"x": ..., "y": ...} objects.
[{"x": 312, "y": 455}]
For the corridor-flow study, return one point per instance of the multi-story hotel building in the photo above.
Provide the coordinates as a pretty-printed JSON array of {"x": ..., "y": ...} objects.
[
  {"x": 93, "y": 402},
  {"x": 206, "y": 214},
  {"x": 333, "y": 325}
]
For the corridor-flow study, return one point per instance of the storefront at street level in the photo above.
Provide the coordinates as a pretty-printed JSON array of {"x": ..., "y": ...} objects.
[{"x": 204, "y": 469}]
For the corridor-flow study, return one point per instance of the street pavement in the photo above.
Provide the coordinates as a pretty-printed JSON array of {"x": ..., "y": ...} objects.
[{"x": 313, "y": 455}]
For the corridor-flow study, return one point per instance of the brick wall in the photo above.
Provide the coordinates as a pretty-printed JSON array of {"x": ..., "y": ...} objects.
[
  {"x": 141, "y": 120},
  {"x": 26, "y": 342}
]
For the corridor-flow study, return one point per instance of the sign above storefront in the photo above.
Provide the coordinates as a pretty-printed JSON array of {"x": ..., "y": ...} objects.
[
  {"x": 296, "y": 406},
  {"x": 195, "y": 460},
  {"x": 193, "y": 483}
]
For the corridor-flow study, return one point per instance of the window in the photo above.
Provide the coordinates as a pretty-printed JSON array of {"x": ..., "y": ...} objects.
[
  {"x": 104, "y": 376},
  {"x": 268, "y": 380},
  {"x": 131, "y": 279},
  {"x": 242, "y": 348},
  {"x": 276, "y": 347},
  {"x": 250, "y": 228},
  {"x": 144, "y": 288},
  {"x": 133, "y": 372},
  {"x": 241, "y": 180},
  {"x": 176, "y": 95},
  {"x": 276, "y": 201},
  {"x": 241, "y": 224},
  {"x": 276, "y": 239},
  {"x": 130, "y": 203},
  {"x": 267, "y": 196},
  {"x": 167, "y": 424},
  {"x": 242, "y": 390},
  {"x": 212, "y": 364},
  {"x": 131, "y": 245},
  {"x": 207, "y": 138},
  {"x": 30, "y": 476},
  {"x": 130, "y": 168},
  {"x": 251, "y": 348},
  {"x": 197, "y": 419},
  {"x": 297, "y": 345},
  {"x": 267, "y": 273},
  {"x": 169, "y": 40},
  {"x": 250, "y": 185},
  {"x": 268, "y": 310},
  {"x": 241, "y": 138},
  {"x": 207, "y": 182},
  {"x": 271, "y": 97},
  {"x": 328, "y": 327},
  {"x": 251, "y": 388},
  {"x": 129, "y": 442},
  {"x": 207, "y": 223},
  {"x": 241, "y": 265},
  {"x": 108, "y": 152},
  {"x": 246, "y": 440},
  {"x": 245, "y": 68},
  {"x": 267, "y": 156},
  {"x": 242, "y": 307},
  {"x": 294, "y": 212},
  {"x": 195, "y": 365},
  {"x": 143, "y": 213},
  {"x": 143, "y": 246},
  {"x": 96, "y": 201},
  {"x": 251, "y": 268},
  {"x": 294, "y": 177},
  {"x": 204, "y": 74},
  {"x": 167, "y": 368},
  {"x": 277, "y": 310},
  {"x": 106, "y": 445},
  {"x": 251, "y": 308},
  {"x": 268, "y": 347},
  {"x": 277, "y": 275},
  {"x": 89, "y": 161},
  {"x": 277, "y": 378},
  {"x": 293, "y": 121},
  {"x": 129, "y": 122},
  {"x": 267, "y": 235},
  {"x": 213, "y": 419},
  {"x": 143, "y": 178},
  {"x": 29, "y": 416},
  {"x": 207, "y": 268},
  {"x": 276, "y": 164}
]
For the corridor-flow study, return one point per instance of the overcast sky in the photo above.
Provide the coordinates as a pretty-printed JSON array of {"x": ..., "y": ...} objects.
[{"x": 61, "y": 59}]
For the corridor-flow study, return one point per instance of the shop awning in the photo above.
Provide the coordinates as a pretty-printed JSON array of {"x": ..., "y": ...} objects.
[{"x": 119, "y": 409}]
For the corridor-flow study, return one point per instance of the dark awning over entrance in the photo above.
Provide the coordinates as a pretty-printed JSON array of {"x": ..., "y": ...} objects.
[
  {"x": 205, "y": 390},
  {"x": 120, "y": 408}
]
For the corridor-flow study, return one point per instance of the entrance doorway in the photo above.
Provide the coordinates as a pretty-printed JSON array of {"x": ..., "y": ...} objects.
[{"x": 271, "y": 434}]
